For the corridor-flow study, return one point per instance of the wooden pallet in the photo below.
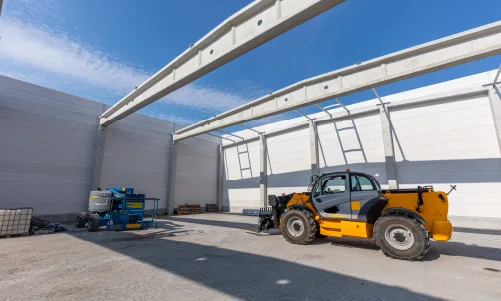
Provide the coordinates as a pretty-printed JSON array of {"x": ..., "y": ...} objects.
[{"x": 189, "y": 209}]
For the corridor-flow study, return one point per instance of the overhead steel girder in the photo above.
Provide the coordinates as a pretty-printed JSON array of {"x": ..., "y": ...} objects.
[
  {"x": 257, "y": 23},
  {"x": 454, "y": 50}
]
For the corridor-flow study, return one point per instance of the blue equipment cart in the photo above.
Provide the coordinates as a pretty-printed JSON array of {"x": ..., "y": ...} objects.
[{"x": 119, "y": 209}]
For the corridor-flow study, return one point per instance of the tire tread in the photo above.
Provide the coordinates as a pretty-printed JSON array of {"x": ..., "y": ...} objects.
[
  {"x": 415, "y": 221},
  {"x": 312, "y": 228}
]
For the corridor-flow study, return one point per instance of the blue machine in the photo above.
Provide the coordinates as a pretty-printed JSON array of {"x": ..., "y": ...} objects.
[{"x": 119, "y": 209}]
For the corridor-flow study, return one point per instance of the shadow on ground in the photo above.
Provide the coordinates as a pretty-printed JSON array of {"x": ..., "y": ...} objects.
[
  {"x": 244, "y": 275},
  {"x": 477, "y": 231},
  {"x": 451, "y": 248}
]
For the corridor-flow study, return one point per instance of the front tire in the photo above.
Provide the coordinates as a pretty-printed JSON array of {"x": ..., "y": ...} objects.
[
  {"x": 298, "y": 227},
  {"x": 401, "y": 237},
  {"x": 93, "y": 223}
]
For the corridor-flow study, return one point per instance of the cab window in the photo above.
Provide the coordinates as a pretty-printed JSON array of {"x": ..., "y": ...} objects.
[
  {"x": 361, "y": 183},
  {"x": 334, "y": 184}
]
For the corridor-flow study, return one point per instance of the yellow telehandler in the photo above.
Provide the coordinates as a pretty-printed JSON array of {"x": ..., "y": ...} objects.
[{"x": 338, "y": 204}]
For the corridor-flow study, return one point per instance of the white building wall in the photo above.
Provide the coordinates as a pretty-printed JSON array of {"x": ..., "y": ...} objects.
[
  {"x": 46, "y": 148},
  {"x": 47, "y": 143},
  {"x": 241, "y": 184},
  {"x": 289, "y": 162},
  {"x": 136, "y": 155},
  {"x": 451, "y": 142},
  {"x": 197, "y": 171},
  {"x": 353, "y": 143}
]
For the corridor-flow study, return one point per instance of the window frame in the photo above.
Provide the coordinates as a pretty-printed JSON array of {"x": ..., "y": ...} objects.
[
  {"x": 328, "y": 178},
  {"x": 374, "y": 187}
]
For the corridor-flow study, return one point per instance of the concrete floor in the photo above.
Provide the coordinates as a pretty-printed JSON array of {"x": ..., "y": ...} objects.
[{"x": 212, "y": 257}]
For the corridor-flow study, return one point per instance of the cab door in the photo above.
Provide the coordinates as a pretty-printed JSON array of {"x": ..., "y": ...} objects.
[
  {"x": 331, "y": 196},
  {"x": 362, "y": 190}
]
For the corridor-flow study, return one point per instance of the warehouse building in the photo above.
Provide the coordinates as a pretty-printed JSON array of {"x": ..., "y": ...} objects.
[{"x": 442, "y": 135}]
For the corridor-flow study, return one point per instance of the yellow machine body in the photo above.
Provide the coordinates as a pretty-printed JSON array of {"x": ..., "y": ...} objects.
[{"x": 433, "y": 211}]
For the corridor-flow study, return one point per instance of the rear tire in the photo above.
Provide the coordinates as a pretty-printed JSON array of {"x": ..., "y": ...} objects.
[
  {"x": 298, "y": 227},
  {"x": 401, "y": 237},
  {"x": 93, "y": 223},
  {"x": 82, "y": 218}
]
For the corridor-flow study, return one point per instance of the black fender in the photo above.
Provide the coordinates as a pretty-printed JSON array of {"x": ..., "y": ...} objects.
[
  {"x": 372, "y": 210},
  {"x": 404, "y": 211},
  {"x": 303, "y": 207}
]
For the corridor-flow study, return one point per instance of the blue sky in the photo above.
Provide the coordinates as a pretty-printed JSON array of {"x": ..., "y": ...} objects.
[{"x": 101, "y": 50}]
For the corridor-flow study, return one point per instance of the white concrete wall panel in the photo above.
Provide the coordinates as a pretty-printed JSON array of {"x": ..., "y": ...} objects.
[
  {"x": 47, "y": 142},
  {"x": 289, "y": 167},
  {"x": 197, "y": 171},
  {"x": 353, "y": 143},
  {"x": 136, "y": 155},
  {"x": 449, "y": 143},
  {"x": 241, "y": 180},
  {"x": 436, "y": 143},
  {"x": 46, "y": 148}
]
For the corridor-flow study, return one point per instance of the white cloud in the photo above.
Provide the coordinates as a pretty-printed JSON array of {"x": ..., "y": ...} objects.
[
  {"x": 170, "y": 117},
  {"x": 32, "y": 46},
  {"x": 44, "y": 54}
]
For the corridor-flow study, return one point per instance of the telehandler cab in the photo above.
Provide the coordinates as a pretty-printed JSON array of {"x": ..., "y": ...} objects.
[{"x": 401, "y": 221}]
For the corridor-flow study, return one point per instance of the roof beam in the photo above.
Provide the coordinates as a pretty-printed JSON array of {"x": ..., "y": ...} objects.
[
  {"x": 341, "y": 104},
  {"x": 497, "y": 76},
  {"x": 249, "y": 128},
  {"x": 323, "y": 109},
  {"x": 454, "y": 50},
  {"x": 252, "y": 26},
  {"x": 220, "y": 137},
  {"x": 302, "y": 114},
  {"x": 447, "y": 95},
  {"x": 230, "y": 134},
  {"x": 378, "y": 97}
]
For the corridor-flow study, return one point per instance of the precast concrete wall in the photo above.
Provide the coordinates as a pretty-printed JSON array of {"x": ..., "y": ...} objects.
[
  {"x": 439, "y": 141},
  {"x": 47, "y": 147}
]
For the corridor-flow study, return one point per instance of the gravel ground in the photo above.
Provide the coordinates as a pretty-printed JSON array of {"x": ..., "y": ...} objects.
[{"x": 213, "y": 257}]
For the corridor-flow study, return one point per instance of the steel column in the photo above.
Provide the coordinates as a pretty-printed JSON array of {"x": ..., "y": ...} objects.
[
  {"x": 389, "y": 153},
  {"x": 263, "y": 171},
  {"x": 314, "y": 156}
]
